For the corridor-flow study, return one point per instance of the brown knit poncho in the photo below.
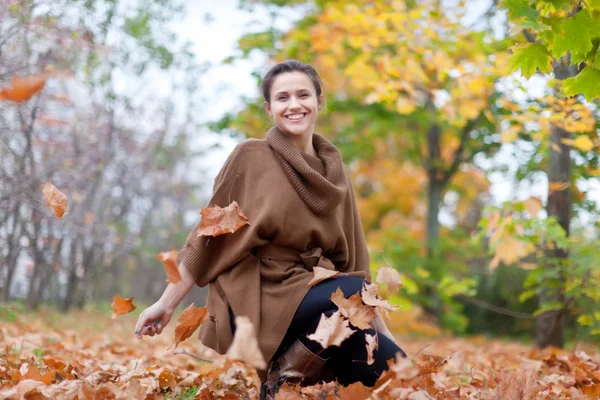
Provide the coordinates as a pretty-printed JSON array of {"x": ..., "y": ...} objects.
[{"x": 302, "y": 213}]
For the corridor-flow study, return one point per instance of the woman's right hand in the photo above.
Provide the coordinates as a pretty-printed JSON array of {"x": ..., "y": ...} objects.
[{"x": 153, "y": 320}]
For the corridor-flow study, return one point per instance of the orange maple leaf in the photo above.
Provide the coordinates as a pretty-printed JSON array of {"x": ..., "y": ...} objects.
[
  {"x": 353, "y": 309},
  {"x": 332, "y": 331},
  {"x": 389, "y": 277},
  {"x": 33, "y": 372},
  {"x": 218, "y": 221},
  {"x": 322, "y": 274},
  {"x": 54, "y": 199},
  {"x": 167, "y": 379},
  {"x": 191, "y": 318},
  {"x": 356, "y": 390},
  {"x": 23, "y": 87},
  {"x": 122, "y": 306},
  {"x": 169, "y": 259},
  {"x": 245, "y": 346}
]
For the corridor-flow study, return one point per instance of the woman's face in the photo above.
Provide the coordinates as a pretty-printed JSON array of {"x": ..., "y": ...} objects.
[{"x": 294, "y": 104}]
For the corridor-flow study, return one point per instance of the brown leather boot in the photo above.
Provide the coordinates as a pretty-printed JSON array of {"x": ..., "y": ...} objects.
[{"x": 297, "y": 365}]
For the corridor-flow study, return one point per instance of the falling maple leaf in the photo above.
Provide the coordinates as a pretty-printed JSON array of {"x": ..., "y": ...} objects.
[
  {"x": 332, "y": 331},
  {"x": 389, "y": 277},
  {"x": 23, "y": 87},
  {"x": 370, "y": 297},
  {"x": 191, "y": 318},
  {"x": 218, "y": 221},
  {"x": 122, "y": 306},
  {"x": 353, "y": 309},
  {"x": 371, "y": 345},
  {"x": 54, "y": 199},
  {"x": 169, "y": 259},
  {"x": 322, "y": 274},
  {"x": 245, "y": 346}
]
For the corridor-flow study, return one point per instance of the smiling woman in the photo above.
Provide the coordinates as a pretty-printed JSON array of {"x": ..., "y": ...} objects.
[{"x": 302, "y": 214}]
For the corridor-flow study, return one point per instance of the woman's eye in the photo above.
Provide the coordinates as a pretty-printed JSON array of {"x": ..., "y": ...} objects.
[
  {"x": 304, "y": 95},
  {"x": 281, "y": 98}
]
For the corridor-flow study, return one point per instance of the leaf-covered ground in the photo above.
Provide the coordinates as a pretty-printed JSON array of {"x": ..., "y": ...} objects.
[{"x": 90, "y": 356}]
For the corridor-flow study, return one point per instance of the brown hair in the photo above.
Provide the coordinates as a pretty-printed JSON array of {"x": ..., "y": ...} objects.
[{"x": 289, "y": 66}]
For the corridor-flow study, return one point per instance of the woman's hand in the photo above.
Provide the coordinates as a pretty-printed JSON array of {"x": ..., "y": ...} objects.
[{"x": 153, "y": 320}]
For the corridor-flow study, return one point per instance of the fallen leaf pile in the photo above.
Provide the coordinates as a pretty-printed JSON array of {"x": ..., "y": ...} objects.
[
  {"x": 39, "y": 361},
  {"x": 93, "y": 356}
]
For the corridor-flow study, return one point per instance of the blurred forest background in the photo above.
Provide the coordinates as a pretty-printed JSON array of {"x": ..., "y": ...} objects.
[{"x": 428, "y": 102}]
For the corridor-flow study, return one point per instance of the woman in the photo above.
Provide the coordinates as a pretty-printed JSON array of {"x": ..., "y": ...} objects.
[{"x": 302, "y": 213}]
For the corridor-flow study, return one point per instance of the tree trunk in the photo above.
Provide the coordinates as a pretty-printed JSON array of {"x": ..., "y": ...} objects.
[
  {"x": 14, "y": 249},
  {"x": 434, "y": 199},
  {"x": 435, "y": 190},
  {"x": 46, "y": 277},
  {"x": 73, "y": 279},
  {"x": 549, "y": 329}
]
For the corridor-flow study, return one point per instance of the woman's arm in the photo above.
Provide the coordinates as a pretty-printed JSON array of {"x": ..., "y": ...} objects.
[
  {"x": 154, "y": 318},
  {"x": 174, "y": 293}
]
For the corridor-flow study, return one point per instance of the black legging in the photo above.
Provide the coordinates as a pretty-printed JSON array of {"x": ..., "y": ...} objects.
[{"x": 349, "y": 361}]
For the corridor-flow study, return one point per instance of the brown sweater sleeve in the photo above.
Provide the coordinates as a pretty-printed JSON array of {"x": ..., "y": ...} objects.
[{"x": 207, "y": 257}]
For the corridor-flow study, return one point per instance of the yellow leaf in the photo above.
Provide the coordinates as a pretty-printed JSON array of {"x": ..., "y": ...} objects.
[
  {"x": 509, "y": 136},
  {"x": 585, "y": 320},
  {"x": 404, "y": 105},
  {"x": 583, "y": 143}
]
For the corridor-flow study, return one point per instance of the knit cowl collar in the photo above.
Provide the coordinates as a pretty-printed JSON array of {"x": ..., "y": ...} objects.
[{"x": 321, "y": 193}]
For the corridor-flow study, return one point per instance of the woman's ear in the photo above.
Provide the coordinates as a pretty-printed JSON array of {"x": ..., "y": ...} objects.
[
  {"x": 321, "y": 101},
  {"x": 267, "y": 107}
]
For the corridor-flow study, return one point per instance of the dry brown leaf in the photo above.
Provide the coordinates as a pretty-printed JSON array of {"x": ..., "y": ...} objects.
[
  {"x": 353, "y": 309},
  {"x": 169, "y": 259},
  {"x": 54, "y": 199},
  {"x": 322, "y": 274},
  {"x": 389, "y": 277},
  {"x": 245, "y": 346},
  {"x": 22, "y": 88},
  {"x": 372, "y": 344},
  {"x": 355, "y": 391},
  {"x": 122, "y": 306},
  {"x": 370, "y": 298},
  {"x": 218, "y": 221},
  {"x": 167, "y": 379},
  {"x": 431, "y": 363},
  {"x": 191, "y": 318},
  {"x": 332, "y": 331},
  {"x": 33, "y": 372}
]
